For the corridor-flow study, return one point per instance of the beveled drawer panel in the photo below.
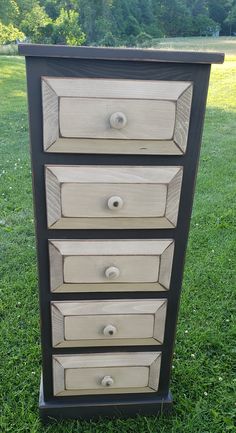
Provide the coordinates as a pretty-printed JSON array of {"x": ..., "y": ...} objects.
[
  {"x": 108, "y": 323},
  {"x": 112, "y": 196},
  {"x": 106, "y": 373},
  {"x": 110, "y": 265},
  {"x": 144, "y": 120},
  {"x": 115, "y": 116}
]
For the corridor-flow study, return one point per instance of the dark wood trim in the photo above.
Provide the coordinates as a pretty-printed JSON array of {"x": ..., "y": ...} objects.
[
  {"x": 120, "y": 406},
  {"x": 130, "y": 54}
]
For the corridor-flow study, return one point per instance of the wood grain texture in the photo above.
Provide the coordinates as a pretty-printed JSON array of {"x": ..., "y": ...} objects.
[
  {"x": 57, "y": 324},
  {"x": 56, "y": 270},
  {"x": 82, "y": 374},
  {"x": 113, "y": 223},
  {"x": 89, "y": 118},
  {"x": 166, "y": 261},
  {"x": 119, "y": 89},
  {"x": 37, "y": 67},
  {"x": 154, "y": 374},
  {"x": 103, "y": 247},
  {"x": 173, "y": 198},
  {"x": 159, "y": 322},
  {"x": 127, "y": 174},
  {"x": 139, "y": 262},
  {"x": 59, "y": 379},
  {"x": 183, "y": 110},
  {"x": 137, "y": 322},
  {"x": 91, "y": 269},
  {"x": 125, "y": 147},
  {"x": 50, "y": 105},
  {"x": 158, "y": 115},
  {"x": 130, "y": 54},
  {"x": 86, "y": 201},
  {"x": 150, "y": 195},
  {"x": 88, "y": 329},
  {"x": 53, "y": 197},
  {"x": 128, "y": 377}
]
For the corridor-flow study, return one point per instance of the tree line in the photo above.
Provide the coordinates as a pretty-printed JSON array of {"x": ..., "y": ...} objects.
[{"x": 113, "y": 22}]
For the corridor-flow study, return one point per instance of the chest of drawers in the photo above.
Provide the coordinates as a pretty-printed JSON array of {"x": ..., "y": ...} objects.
[{"x": 115, "y": 140}]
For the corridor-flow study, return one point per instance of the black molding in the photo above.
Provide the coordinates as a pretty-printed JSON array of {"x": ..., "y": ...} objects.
[
  {"x": 130, "y": 54},
  {"x": 120, "y": 406}
]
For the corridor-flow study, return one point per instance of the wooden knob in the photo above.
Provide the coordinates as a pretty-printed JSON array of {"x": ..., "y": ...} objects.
[
  {"x": 107, "y": 381},
  {"x": 109, "y": 331},
  {"x": 112, "y": 273},
  {"x": 118, "y": 120},
  {"x": 115, "y": 202}
]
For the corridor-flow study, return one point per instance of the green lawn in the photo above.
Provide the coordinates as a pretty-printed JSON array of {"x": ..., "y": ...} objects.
[
  {"x": 225, "y": 44},
  {"x": 202, "y": 380}
]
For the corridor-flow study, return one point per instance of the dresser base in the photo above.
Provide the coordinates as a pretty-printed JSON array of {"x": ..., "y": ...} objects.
[{"x": 119, "y": 408}]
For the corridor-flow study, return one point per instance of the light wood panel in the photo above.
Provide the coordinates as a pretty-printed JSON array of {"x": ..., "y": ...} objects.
[
  {"x": 150, "y": 196},
  {"x": 89, "y": 118},
  {"x": 129, "y": 377},
  {"x": 76, "y": 115},
  {"x": 50, "y": 102},
  {"x": 84, "y": 323},
  {"x": 84, "y": 374},
  {"x": 120, "y": 89},
  {"x": 112, "y": 146},
  {"x": 86, "y": 201},
  {"x": 91, "y": 269},
  {"x": 80, "y": 265},
  {"x": 183, "y": 109}
]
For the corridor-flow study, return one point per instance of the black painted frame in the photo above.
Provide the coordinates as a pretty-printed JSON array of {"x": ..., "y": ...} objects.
[{"x": 42, "y": 62}]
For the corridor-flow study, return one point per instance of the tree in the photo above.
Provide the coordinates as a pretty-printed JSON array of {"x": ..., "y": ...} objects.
[
  {"x": 175, "y": 17},
  {"x": 66, "y": 29},
  {"x": 9, "y": 34},
  {"x": 204, "y": 25},
  {"x": 117, "y": 22},
  {"x": 37, "y": 25},
  {"x": 230, "y": 20},
  {"x": 8, "y": 11}
]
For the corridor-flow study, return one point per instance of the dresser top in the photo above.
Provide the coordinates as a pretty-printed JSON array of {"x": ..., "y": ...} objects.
[{"x": 130, "y": 54}]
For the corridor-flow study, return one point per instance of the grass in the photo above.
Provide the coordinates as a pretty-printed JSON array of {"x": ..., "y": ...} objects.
[
  {"x": 203, "y": 379},
  {"x": 225, "y": 44},
  {"x": 8, "y": 50}
]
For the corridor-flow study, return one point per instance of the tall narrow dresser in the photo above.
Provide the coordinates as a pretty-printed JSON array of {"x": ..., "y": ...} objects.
[{"x": 115, "y": 138}]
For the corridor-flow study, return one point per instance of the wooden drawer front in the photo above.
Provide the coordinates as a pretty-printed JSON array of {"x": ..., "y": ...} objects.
[
  {"x": 145, "y": 119},
  {"x": 108, "y": 323},
  {"x": 106, "y": 373},
  {"x": 115, "y": 116},
  {"x": 112, "y": 197},
  {"x": 110, "y": 265}
]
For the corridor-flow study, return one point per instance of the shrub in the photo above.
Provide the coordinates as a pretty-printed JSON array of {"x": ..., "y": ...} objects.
[
  {"x": 66, "y": 28},
  {"x": 9, "y": 34},
  {"x": 37, "y": 25}
]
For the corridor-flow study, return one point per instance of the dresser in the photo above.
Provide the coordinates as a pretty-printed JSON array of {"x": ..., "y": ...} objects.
[{"x": 115, "y": 138}]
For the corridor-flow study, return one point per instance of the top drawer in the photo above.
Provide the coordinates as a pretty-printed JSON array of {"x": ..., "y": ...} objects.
[{"x": 115, "y": 116}]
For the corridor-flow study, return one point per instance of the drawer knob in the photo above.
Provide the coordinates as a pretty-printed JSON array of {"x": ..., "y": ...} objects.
[
  {"x": 107, "y": 381},
  {"x": 109, "y": 331},
  {"x": 112, "y": 273},
  {"x": 118, "y": 120},
  {"x": 115, "y": 202}
]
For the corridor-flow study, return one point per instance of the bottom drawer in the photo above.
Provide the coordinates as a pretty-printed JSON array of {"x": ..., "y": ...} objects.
[{"x": 106, "y": 373}]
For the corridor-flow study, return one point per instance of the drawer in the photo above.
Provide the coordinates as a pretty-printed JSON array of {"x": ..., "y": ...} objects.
[
  {"x": 110, "y": 265},
  {"x": 106, "y": 373},
  {"x": 112, "y": 196},
  {"x": 115, "y": 116},
  {"x": 108, "y": 323}
]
